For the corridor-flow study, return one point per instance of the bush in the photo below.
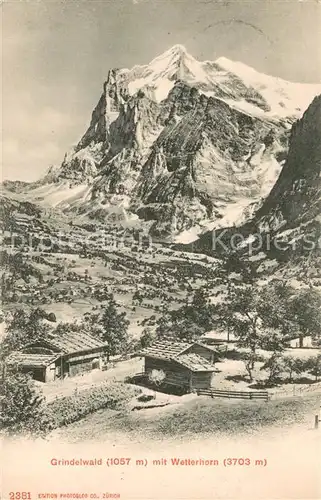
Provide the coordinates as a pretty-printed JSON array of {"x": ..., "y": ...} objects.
[
  {"x": 275, "y": 366},
  {"x": 293, "y": 366},
  {"x": 146, "y": 397},
  {"x": 313, "y": 366},
  {"x": 69, "y": 409},
  {"x": 23, "y": 408}
]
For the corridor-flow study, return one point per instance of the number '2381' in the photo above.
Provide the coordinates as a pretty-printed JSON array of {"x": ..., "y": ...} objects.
[{"x": 19, "y": 495}]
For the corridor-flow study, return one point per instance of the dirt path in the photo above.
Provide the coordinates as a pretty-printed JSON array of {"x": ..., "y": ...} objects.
[{"x": 94, "y": 378}]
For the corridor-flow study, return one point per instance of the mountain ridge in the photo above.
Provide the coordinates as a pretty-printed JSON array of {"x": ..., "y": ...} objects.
[{"x": 176, "y": 139}]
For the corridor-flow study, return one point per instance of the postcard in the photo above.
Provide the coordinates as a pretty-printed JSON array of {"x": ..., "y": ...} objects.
[{"x": 160, "y": 328}]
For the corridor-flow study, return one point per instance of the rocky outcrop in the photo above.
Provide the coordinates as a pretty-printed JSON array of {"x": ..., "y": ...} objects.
[{"x": 114, "y": 95}]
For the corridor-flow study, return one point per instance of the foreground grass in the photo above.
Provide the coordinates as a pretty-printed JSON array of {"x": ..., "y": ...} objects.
[
  {"x": 201, "y": 416},
  {"x": 69, "y": 409}
]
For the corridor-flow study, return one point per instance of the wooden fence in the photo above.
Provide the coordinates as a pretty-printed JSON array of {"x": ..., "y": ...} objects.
[{"x": 213, "y": 393}]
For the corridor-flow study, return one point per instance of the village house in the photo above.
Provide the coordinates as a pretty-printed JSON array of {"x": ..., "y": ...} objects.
[
  {"x": 219, "y": 338},
  {"x": 307, "y": 341},
  {"x": 58, "y": 357},
  {"x": 187, "y": 366}
]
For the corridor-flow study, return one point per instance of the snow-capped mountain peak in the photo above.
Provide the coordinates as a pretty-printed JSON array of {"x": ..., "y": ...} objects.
[
  {"x": 159, "y": 76},
  {"x": 239, "y": 85},
  {"x": 184, "y": 140},
  {"x": 175, "y": 51},
  {"x": 169, "y": 63},
  {"x": 283, "y": 98}
]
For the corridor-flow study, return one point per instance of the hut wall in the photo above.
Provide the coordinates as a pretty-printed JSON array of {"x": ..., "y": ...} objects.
[
  {"x": 50, "y": 372},
  {"x": 81, "y": 363},
  {"x": 80, "y": 367},
  {"x": 201, "y": 380},
  {"x": 175, "y": 374},
  {"x": 37, "y": 373},
  {"x": 307, "y": 342}
]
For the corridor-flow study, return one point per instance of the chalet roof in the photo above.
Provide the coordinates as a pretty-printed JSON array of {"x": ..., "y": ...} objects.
[
  {"x": 72, "y": 342},
  {"x": 166, "y": 349},
  {"x": 178, "y": 351},
  {"x": 194, "y": 362},
  {"x": 32, "y": 360}
]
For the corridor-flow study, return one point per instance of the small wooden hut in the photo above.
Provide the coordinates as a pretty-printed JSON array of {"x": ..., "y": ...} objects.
[
  {"x": 187, "y": 366},
  {"x": 59, "y": 356}
]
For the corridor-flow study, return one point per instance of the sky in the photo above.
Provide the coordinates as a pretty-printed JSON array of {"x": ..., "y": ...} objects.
[{"x": 56, "y": 56}]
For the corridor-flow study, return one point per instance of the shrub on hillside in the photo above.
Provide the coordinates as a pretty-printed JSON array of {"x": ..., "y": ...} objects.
[
  {"x": 293, "y": 366},
  {"x": 69, "y": 409},
  {"x": 23, "y": 409},
  {"x": 313, "y": 366},
  {"x": 274, "y": 366}
]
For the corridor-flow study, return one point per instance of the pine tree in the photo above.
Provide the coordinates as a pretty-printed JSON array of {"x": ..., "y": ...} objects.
[
  {"x": 189, "y": 322},
  {"x": 146, "y": 339},
  {"x": 114, "y": 326}
]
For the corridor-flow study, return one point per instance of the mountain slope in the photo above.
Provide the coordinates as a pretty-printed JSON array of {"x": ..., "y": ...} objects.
[
  {"x": 288, "y": 224},
  {"x": 296, "y": 197}
]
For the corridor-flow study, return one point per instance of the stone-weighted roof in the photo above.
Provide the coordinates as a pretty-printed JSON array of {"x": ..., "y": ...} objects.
[
  {"x": 69, "y": 343},
  {"x": 195, "y": 362},
  {"x": 32, "y": 360},
  {"x": 166, "y": 349},
  {"x": 178, "y": 352},
  {"x": 74, "y": 341}
]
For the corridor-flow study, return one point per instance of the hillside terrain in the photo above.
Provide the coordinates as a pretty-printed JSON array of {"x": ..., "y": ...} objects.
[
  {"x": 177, "y": 150},
  {"x": 49, "y": 261}
]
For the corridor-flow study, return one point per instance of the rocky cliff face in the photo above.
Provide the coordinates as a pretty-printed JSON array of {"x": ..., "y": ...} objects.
[
  {"x": 288, "y": 224},
  {"x": 208, "y": 157},
  {"x": 296, "y": 196},
  {"x": 180, "y": 141}
]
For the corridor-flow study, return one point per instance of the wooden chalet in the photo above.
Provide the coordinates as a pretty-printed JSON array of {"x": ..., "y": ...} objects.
[
  {"x": 188, "y": 366},
  {"x": 59, "y": 356}
]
